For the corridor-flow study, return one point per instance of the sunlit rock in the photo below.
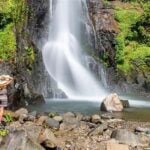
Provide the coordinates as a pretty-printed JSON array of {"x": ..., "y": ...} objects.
[
  {"x": 112, "y": 103},
  {"x": 96, "y": 118}
]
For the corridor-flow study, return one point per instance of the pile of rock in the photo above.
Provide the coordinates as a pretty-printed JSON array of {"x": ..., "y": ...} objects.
[{"x": 70, "y": 130}]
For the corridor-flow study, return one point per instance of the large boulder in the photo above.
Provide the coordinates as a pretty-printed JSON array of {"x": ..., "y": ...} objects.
[
  {"x": 112, "y": 103},
  {"x": 19, "y": 140}
]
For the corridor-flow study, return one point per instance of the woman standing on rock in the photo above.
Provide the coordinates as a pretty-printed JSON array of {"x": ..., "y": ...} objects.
[{"x": 5, "y": 80}]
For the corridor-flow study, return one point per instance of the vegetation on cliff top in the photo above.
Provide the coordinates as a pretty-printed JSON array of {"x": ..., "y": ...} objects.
[
  {"x": 7, "y": 36},
  {"x": 12, "y": 16},
  {"x": 133, "y": 41}
]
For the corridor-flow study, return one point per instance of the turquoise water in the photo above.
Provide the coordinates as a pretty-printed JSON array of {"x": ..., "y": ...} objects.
[
  {"x": 139, "y": 110},
  {"x": 62, "y": 105}
]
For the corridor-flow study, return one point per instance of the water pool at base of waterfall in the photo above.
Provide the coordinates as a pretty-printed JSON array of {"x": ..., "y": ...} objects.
[{"x": 136, "y": 112}]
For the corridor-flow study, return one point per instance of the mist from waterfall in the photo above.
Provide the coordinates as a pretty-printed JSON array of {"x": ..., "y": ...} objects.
[{"x": 63, "y": 55}]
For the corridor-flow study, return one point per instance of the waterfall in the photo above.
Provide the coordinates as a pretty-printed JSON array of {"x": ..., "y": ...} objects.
[{"x": 63, "y": 55}]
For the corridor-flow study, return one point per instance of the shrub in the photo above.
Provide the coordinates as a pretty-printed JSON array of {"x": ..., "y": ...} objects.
[
  {"x": 8, "y": 118},
  {"x": 7, "y": 42}
]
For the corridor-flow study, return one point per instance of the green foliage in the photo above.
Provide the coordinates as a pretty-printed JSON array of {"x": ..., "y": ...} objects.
[
  {"x": 120, "y": 45},
  {"x": 12, "y": 16},
  {"x": 126, "y": 18},
  {"x": 7, "y": 42},
  {"x": 4, "y": 132},
  {"x": 7, "y": 36},
  {"x": 29, "y": 56},
  {"x": 4, "y": 20},
  {"x": 142, "y": 26},
  {"x": 134, "y": 52},
  {"x": 132, "y": 22},
  {"x": 8, "y": 118},
  {"x": 106, "y": 3},
  {"x": 19, "y": 13}
]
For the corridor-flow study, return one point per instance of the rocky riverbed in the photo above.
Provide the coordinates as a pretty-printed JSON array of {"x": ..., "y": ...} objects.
[{"x": 71, "y": 131}]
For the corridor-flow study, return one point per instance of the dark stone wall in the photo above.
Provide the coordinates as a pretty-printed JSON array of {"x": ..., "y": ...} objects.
[
  {"x": 106, "y": 29},
  {"x": 38, "y": 19},
  {"x": 31, "y": 81}
]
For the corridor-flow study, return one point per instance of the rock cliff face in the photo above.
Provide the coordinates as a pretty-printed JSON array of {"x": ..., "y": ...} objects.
[
  {"x": 106, "y": 29},
  {"x": 30, "y": 69},
  {"x": 37, "y": 29}
]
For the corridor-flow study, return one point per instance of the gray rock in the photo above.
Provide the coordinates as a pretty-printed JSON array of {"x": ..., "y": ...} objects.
[
  {"x": 71, "y": 120},
  {"x": 33, "y": 131},
  {"x": 23, "y": 118},
  {"x": 20, "y": 112},
  {"x": 48, "y": 139},
  {"x": 42, "y": 119},
  {"x": 86, "y": 118},
  {"x": 14, "y": 126},
  {"x": 125, "y": 137},
  {"x": 26, "y": 90},
  {"x": 67, "y": 126},
  {"x": 58, "y": 118},
  {"x": 68, "y": 114},
  {"x": 79, "y": 116},
  {"x": 91, "y": 125},
  {"x": 31, "y": 116},
  {"x": 99, "y": 129},
  {"x": 145, "y": 130},
  {"x": 96, "y": 119},
  {"x": 33, "y": 113},
  {"x": 37, "y": 99},
  {"x": 115, "y": 146},
  {"x": 52, "y": 123},
  {"x": 19, "y": 140},
  {"x": 115, "y": 120},
  {"x": 107, "y": 116},
  {"x": 125, "y": 103}
]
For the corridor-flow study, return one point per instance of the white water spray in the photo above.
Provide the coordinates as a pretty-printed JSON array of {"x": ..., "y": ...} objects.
[{"x": 62, "y": 53}]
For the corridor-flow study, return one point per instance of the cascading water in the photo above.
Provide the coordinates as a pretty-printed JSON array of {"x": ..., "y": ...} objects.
[{"x": 62, "y": 54}]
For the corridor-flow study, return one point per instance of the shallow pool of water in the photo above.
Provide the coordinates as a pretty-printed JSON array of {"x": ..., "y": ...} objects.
[{"x": 139, "y": 110}]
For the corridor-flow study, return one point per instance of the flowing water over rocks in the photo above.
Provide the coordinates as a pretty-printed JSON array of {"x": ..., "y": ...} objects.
[{"x": 63, "y": 55}]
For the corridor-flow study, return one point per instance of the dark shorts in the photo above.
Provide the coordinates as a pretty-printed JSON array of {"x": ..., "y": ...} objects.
[{"x": 3, "y": 98}]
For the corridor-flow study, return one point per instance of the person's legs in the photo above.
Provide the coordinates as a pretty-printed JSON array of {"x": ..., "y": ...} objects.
[{"x": 1, "y": 113}]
